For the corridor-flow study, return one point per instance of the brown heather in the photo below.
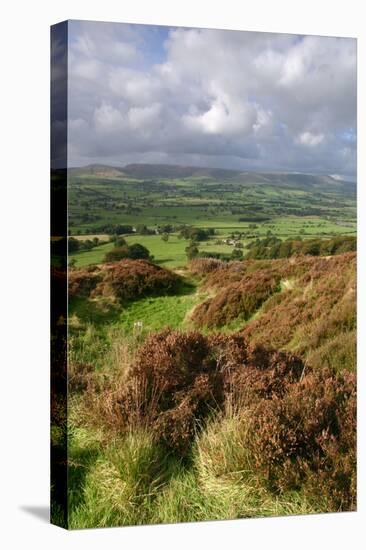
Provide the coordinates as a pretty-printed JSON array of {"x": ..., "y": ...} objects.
[
  {"x": 299, "y": 304},
  {"x": 239, "y": 300},
  {"x": 83, "y": 281},
  {"x": 307, "y": 438},
  {"x": 124, "y": 280},
  {"x": 299, "y": 424}
]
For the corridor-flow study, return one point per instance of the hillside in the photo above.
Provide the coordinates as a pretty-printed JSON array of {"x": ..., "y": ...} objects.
[
  {"x": 171, "y": 171},
  {"x": 227, "y": 390},
  {"x": 302, "y": 304}
]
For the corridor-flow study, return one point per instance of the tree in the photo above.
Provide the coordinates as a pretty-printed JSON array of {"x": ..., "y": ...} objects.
[
  {"x": 138, "y": 252},
  {"x": 191, "y": 251},
  {"x": 117, "y": 253},
  {"x": 285, "y": 249},
  {"x": 195, "y": 233},
  {"x": 141, "y": 229},
  {"x": 74, "y": 244},
  {"x": 311, "y": 248},
  {"x": 167, "y": 228},
  {"x": 237, "y": 254},
  {"x": 165, "y": 237},
  {"x": 87, "y": 244},
  {"x": 119, "y": 241}
]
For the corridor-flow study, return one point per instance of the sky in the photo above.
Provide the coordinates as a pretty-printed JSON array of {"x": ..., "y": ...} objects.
[{"x": 217, "y": 98}]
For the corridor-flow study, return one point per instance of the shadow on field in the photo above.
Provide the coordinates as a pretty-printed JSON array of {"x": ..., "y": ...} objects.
[
  {"x": 93, "y": 311},
  {"x": 100, "y": 313},
  {"x": 163, "y": 261}
]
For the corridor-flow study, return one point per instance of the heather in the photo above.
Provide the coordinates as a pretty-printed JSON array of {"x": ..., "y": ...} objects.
[
  {"x": 234, "y": 397},
  {"x": 124, "y": 280},
  {"x": 201, "y": 427},
  {"x": 301, "y": 304}
]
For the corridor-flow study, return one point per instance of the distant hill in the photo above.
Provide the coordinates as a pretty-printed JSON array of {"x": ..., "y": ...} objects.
[
  {"x": 165, "y": 171},
  {"x": 98, "y": 170},
  {"x": 176, "y": 171}
]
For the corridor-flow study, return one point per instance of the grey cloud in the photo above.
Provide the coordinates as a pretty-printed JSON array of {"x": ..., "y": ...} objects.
[{"x": 218, "y": 98}]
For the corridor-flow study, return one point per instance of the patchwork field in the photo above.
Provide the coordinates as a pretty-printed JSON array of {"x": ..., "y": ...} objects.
[{"x": 287, "y": 205}]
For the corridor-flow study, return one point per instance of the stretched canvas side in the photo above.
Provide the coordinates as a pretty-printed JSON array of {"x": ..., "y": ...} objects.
[{"x": 59, "y": 76}]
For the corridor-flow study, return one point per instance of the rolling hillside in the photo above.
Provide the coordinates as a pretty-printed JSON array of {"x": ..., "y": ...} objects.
[{"x": 162, "y": 194}]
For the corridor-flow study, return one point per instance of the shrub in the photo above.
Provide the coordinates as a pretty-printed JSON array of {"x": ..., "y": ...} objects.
[
  {"x": 191, "y": 251},
  {"x": 304, "y": 302},
  {"x": 251, "y": 419},
  {"x": 118, "y": 253},
  {"x": 118, "y": 240},
  {"x": 79, "y": 376},
  {"x": 273, "y": 247},
  {"x": 203, "y": 266},
  {"x": 319, "y": 306},
  {"x": 131, "y": 279},
  {"x": 138, "y": 252},
  {"x": 170, "y": 387},
  {"x": 236, "y": 254},
  {"x": 134, "y": 252},
  {"x": 236, "y": 301},
  {"x": 124, "y": 280},
  {"x": 178, "y": 379},
  {"x": 83, "y": 281},
  {"x": 338, "y": 352},
  {"x": 73, "y": 244},
  {"x": 307, "y": 438}
]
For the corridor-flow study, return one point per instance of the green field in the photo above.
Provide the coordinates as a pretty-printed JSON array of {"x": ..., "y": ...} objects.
[
  {"x": 172, "y": 253},
  {"x": 288, "y": 205},
  {"x": 210, "y": 201}
]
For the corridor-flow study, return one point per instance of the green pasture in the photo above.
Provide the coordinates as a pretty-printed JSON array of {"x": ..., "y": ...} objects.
[{"x": 172, "y": 253}]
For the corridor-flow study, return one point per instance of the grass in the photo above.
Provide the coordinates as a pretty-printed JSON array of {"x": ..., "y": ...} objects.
[
  {"x": 168, "y": 254},
  {"x": 89, "y": 257},
  {"x": 133, "y": 481},
  {"x": 98, "y": 328},
  {"x": 119, "y": 485},
  {"x": 155, "y": 312}
]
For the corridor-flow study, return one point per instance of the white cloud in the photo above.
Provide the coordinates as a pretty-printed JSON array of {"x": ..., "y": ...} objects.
[
  {"x": 225, "y": 116},
  {"x": 309, "y": 139},
  {"x": 236, "y": 99},
  {"x": 89, "y": 69},
  {"x": 108, "y": 120}
]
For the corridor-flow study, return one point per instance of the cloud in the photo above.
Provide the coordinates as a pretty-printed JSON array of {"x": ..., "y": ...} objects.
[
  {"x": 220, "y": 98},
  {"x": 108, "y": 120},
  {"x": 310, "y": 140}
]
